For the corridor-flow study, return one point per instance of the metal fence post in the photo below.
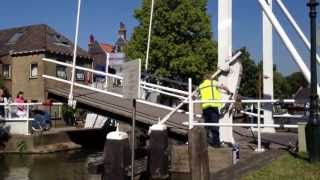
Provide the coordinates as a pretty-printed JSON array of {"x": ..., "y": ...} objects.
[
  {"x": 190, "y": 104},
  {"x": 252, "y": 117},
  {"x": 259, "y": 149},
  {"x": 107, "y": 71},
  {"x": 27, "y": 117},
  {"x": 9, "y": 111}
]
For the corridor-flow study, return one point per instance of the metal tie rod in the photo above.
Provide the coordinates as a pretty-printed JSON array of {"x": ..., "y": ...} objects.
[
  {"x": 287, "y": 42},
  {"x": 296, "y": 26}
]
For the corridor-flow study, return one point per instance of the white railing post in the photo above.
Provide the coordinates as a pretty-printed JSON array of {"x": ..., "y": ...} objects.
[
  {"x": 9, "y": 110},
  {"x": 107, "y": 70},
  {"x": 27, "y": 117},
  {"x": 6, "y": 110},
  {"x": 259, "y": 149},
  {"x": 190, "y": 104},
  {"x": 139, "y": 84},
  {"x": 252, "y": 117}
]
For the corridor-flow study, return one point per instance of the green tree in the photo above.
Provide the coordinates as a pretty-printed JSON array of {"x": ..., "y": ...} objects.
[
  {"x": 181, "y": 45},
  {"x": 296, "y": 80},
  {"x": 248, "y": 86},
  {"x": 281, "y": 86}
]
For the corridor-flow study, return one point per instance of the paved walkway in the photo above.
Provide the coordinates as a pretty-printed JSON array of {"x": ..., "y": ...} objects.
[{"x": 247, "y": 138}]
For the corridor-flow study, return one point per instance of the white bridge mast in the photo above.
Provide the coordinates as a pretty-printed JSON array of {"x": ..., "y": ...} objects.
[
  {"x": 225, "y": 54},
  {"x": 267, "y": 58}
]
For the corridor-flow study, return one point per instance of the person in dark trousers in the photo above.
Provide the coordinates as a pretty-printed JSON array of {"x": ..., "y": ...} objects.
[
  {"x": 210, "y": 90},
  {"x": 3, "y": 99}
]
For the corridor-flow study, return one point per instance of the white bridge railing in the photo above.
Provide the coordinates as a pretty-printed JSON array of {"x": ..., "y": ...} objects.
[
  {"x": 192, "y": 123},
  {"x": 185, "y": 97},
  {"x": 175, "y": 93},
  {"x": 19, "y": 123}
]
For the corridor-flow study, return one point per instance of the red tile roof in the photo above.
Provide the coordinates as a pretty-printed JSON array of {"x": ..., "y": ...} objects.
[{"x": 106, "y": 47}]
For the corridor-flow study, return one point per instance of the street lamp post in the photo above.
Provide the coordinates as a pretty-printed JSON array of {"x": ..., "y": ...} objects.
[{"x": 313, "y": 128}]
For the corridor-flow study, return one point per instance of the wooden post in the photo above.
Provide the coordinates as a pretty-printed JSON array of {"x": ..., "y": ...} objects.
[
  {"x": 116, "y": 156},
  {"x": 198, "y": 154},
  {"x": 302, "y": 146},
  {"x": 198, "y": 145},
  {"x": 158, "y": 153}
]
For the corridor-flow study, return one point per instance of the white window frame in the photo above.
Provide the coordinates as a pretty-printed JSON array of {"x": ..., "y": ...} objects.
[
  {"x": 78, "y": 72},
  {"x": 65, "y": 71},
  {"x": 9, "y": 71},
  {"x": 30, "y": 73}
]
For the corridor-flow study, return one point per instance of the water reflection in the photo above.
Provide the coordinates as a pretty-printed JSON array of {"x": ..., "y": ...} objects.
[{"x": 55, "y": 166}]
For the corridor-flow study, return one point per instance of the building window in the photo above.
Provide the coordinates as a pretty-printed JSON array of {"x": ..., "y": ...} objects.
[
  {"x": 61, "y": 72},
  {"x": 6, "y": 71},
  {"x": 33, "y": 71},
  {"x": 79, "y": 75}
]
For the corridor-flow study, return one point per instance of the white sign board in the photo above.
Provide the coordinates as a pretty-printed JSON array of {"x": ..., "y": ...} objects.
[{"x": 131, "y": 79}]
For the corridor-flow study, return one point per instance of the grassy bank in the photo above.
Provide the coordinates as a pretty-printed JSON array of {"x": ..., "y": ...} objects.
[{"x": 287, "y": 167}]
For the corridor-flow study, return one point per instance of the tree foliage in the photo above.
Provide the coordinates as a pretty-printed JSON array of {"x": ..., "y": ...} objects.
[
  {"x": 181, "y": 44},
  {"x": 281, "y": 86},
  {"x": 248, "y": 86},
  {"x": 284, "y": 86},
  {"x": 296, "y": 80}
]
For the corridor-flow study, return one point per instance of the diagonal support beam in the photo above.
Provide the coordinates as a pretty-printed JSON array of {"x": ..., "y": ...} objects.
[
  {"x": 287, "y": 42},
  {"x": 296, "y": 26}
]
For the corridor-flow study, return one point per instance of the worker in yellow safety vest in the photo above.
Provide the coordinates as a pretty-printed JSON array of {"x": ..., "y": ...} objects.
[{"x": 210, "y": 90}]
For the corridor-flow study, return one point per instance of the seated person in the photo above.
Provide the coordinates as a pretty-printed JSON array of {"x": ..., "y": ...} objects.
[
  {"x": 3, "y": 99},
  {"x": 21, "y": 112}
]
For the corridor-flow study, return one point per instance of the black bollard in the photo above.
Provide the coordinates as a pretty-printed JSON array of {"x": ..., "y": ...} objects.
[
  {"x": 158, "y": 153},
  {"x": 313, "y": 127},
  {"x": 116, "y": 156}
]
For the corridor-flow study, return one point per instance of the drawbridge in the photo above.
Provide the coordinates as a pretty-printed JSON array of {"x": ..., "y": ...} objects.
[
  {"x": 146, "y": 113},
  {"x": 150, "y": 112}
]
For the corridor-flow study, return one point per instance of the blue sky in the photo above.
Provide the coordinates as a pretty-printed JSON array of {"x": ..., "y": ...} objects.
[{"x": 102, "y": 17}]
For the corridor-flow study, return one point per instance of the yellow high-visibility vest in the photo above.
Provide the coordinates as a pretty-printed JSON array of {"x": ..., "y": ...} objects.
[{"x": 209, "y": 91}]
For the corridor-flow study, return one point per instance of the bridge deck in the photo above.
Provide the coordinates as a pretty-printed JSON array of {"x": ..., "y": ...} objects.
[{"x": 145, "y": 113}]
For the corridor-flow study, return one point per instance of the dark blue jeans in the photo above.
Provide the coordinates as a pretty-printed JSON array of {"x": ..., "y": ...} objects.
[
  {"x": 211, "y": 115},
  {"x": 41, "y": 120}
]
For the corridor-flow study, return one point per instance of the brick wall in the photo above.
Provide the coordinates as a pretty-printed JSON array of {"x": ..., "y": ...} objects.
[
  {"x": 33, "y": 88},
  {"x": 7, "y": 82}
]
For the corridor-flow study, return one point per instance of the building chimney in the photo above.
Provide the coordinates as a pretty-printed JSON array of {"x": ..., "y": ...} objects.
[
  {"x": 91, "y": 39},
  {"x": 91, "y": 43},
  {"x": 122, "y": 31}
]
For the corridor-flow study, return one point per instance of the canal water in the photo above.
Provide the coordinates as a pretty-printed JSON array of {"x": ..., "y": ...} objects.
[{"x": 71, "y": 165}]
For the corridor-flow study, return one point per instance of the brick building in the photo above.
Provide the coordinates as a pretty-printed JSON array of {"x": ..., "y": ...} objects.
[
  {"x": 99, "y": 52},
  {"x": 21, "y": 65}
]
